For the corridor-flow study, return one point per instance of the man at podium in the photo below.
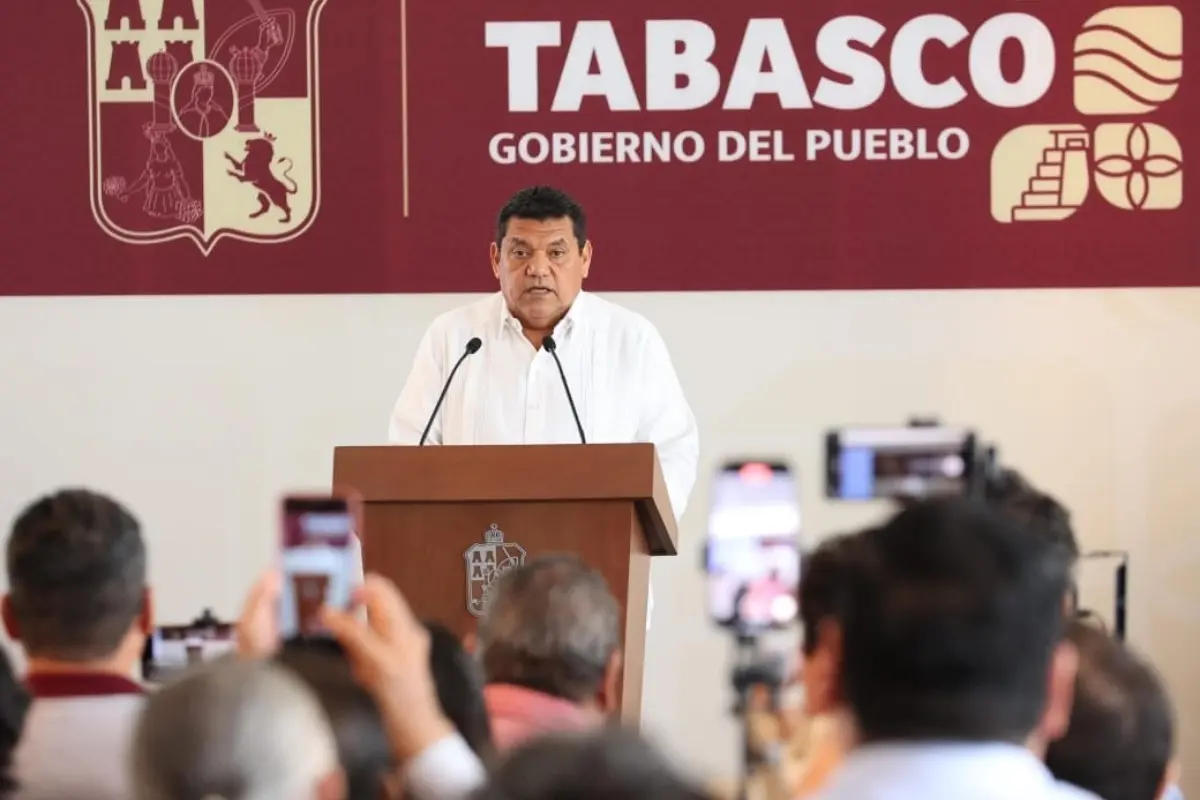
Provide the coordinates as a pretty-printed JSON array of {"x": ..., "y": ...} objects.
[{"x": 544, "y": 362}]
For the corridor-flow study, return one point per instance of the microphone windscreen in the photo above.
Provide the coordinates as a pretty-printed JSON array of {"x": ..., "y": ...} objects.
[
  {"x": 474, "y": 345},
  {"x": 549, "y": 344}
]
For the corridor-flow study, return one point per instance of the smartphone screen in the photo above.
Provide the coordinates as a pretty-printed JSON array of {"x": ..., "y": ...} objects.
[
  {"x": 316, "y": 562},
  {"x": 871, "y": 463},
  {"x": 753, "y": 547}
]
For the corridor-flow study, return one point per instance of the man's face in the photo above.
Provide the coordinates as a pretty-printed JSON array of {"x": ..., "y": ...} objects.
[{"x": 541, "y": 269}]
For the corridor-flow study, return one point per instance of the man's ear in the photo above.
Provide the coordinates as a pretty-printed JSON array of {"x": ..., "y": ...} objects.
[
  {"x": 146, "y": 618},
  {"x": 10, "y": 619},
  {"x": 1170, "y": 779},
  {"x": 494, "y": 253},
  {"x": 332, "y": 786},
  {"x": 587, "y": 258},
  {"x": 822, "y": 671},
  {"x": 1060, "y": 694},
  {"x": 606, "y": 700}
]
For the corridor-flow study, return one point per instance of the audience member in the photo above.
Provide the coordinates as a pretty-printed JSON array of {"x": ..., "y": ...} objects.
[
  {"x": 14, "y": 704},
  {"x": 363, "y": 748},
  {"x": 235, "y": 729},
  {"x": 823, "y": 586},
  {"x": 79, "y": 604},
  {"x": 364, "y": 752},
  {"x": 606, "y": 764},
  {"x": 549, "y": 644},
  {"x": 389, "y": 656},
  {"x": 953, "y": 662},
  {"x": 1121, "y": 737},
  {"x": 460, "y": 689}
]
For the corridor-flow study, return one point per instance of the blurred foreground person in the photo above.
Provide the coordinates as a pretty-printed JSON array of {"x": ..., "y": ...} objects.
[
  {"x": 14, "y": 704},
  {"x": 459, "y": 683},
  {"x": 79, "y": 604},
  {"x": 364, "y": 750},
  {"x": 549, "y": 644},
  {"x": 823, "y": 588},
  {"x": 236, "y": 730},
  {"x": 1121, "y": 738},
  {"x": 608, "y": 764},
  {"x": 953, "y": 661}
]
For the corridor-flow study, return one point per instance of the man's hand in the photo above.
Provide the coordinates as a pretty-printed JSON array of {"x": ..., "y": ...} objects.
[
  {"x": 258, "y": 626},
  {"x": 390, "y": 657}
]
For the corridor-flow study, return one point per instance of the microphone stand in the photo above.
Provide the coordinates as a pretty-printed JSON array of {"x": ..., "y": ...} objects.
[
  {"x": 552, "y": 348},
  {"x": 471, "y": 348},
  {"x": 751, "y": 669}
]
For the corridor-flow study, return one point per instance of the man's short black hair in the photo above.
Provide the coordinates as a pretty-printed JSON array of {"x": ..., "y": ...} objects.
[
  {"x": 823, "y": 586},
  {"x": 541, "y": 203},
  {"x": 952, "y": 618},
  {"x": 459, "y": 682},
  {"x": 1122, "y": 733},
  {"x": 363, "y": 748},
  {"x": 1013, "y": 494},
  {"x": 76, "y": 575}
]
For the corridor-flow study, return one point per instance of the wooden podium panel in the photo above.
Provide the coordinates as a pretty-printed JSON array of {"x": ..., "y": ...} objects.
[{"x": 443, "y": 522}]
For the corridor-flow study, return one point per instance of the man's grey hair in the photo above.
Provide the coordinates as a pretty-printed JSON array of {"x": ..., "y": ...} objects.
[
  {"x": 552, "y": 626},
  {"x": 234, "y": 730}
]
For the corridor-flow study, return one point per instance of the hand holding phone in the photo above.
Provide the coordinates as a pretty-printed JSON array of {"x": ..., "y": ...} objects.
[{"x": 318, "y": 565}]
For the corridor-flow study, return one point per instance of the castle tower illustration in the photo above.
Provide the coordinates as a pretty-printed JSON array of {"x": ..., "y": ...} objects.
[{"x": 1061, "y": 182}]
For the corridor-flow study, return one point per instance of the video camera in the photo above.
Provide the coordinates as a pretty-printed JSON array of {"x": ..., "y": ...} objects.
[{"x": 921, "y": 459}]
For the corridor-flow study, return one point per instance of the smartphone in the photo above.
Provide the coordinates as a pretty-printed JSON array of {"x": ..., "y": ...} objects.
[
  {"x": 909, "y": 462},
  {"x": 317, "y": 560},
  {"x": 753, "y": 546}
]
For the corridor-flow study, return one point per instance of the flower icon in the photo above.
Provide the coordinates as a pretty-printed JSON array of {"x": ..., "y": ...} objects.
[{"x": 1142, "y": 172}]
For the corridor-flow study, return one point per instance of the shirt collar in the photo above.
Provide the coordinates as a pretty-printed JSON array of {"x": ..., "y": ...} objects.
[
  {"x": 79, "y": 684},
  {"x": 947, "y": 764},
  {"x": 508, "y": 701},
  {"x": 574, "y": 319}
]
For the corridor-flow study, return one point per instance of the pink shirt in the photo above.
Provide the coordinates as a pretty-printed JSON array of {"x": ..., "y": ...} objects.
[{"x": 518, "y": 714}]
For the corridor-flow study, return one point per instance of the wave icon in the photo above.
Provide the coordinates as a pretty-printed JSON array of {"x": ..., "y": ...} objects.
[{"x": 1128, "y": 60}]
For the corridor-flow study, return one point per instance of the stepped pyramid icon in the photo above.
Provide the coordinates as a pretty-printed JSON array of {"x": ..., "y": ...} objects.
[
  {"x": 1128, "y": 62},
  {"x": 1061, "y": 182}
]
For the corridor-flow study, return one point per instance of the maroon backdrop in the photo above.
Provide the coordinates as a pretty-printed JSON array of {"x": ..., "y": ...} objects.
[{"x": 381, "y": 117}]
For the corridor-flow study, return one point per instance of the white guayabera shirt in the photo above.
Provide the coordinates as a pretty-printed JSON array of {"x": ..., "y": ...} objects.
[{"x": 616, "y": 363}]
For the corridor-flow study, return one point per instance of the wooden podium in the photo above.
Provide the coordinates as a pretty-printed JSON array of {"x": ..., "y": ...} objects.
[{"x": 441, "y": 521}]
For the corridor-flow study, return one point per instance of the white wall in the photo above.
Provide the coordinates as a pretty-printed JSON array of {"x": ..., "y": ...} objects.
[{"x": 200, "y": 411}]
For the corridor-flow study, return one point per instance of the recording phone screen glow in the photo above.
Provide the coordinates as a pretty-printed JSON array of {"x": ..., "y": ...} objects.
[
  {"x": 317, "y": 562},
  {"x": 868, "y": 463},
  {"x": 753, "y": 551}
]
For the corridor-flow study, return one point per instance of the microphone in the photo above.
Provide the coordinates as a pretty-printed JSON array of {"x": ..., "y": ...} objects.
[
  {"x": 552, "y": 348},
  {"x": 471, "y": 348}
]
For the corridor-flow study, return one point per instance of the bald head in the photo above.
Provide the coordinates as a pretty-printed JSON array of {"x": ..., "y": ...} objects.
[{"x": 238, "y": 730}]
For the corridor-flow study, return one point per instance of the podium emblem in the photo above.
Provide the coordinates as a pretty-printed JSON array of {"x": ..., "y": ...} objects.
[{"x": 486, "y": 562}]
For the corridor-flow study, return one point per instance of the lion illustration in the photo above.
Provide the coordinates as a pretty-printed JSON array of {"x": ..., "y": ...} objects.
[{"x": 256, "y": 170}]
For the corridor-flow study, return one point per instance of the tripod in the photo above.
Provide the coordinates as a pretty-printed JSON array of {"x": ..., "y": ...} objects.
[{"x": 753, "y": 668}]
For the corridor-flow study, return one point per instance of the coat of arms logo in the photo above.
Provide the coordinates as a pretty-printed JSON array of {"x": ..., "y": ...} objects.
[
  {"x": 486, "y": 562},
  {"x": 203, "y": 119}
]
